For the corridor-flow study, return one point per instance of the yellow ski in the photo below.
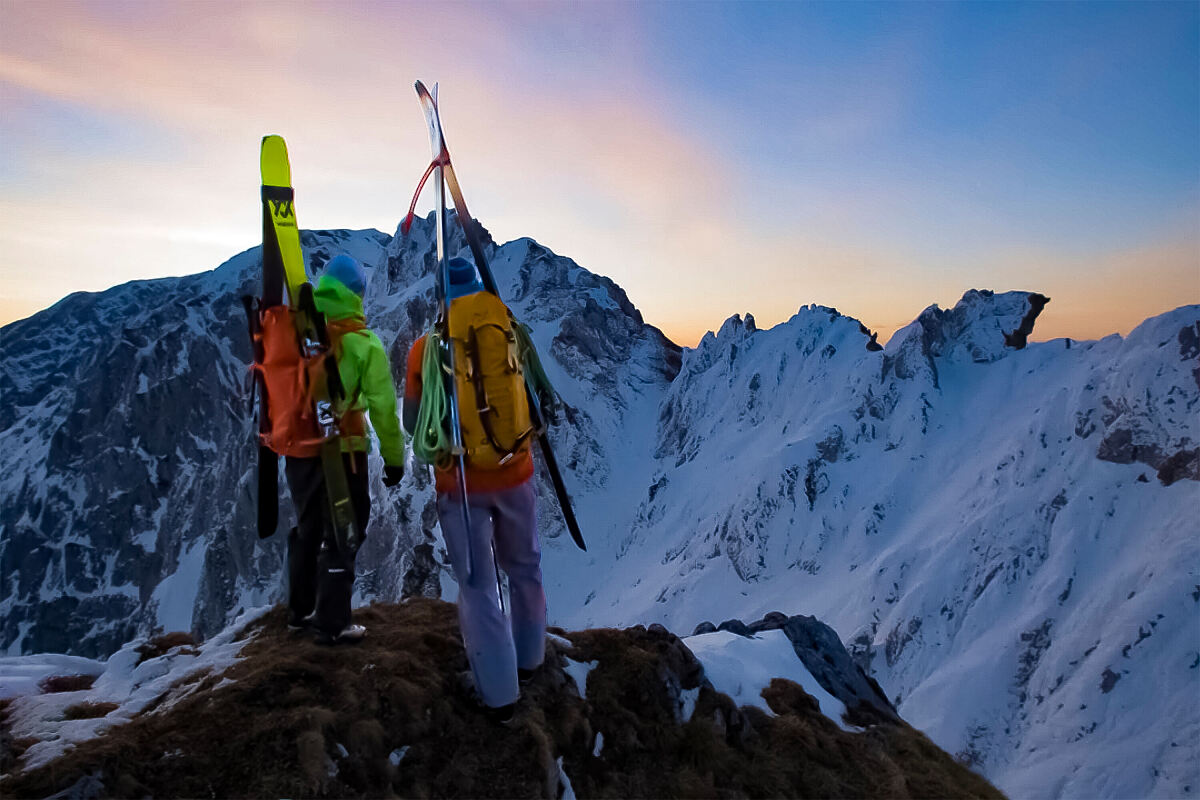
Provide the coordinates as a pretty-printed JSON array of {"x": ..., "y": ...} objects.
[
  {"x": 279, "y": 199},
  {"x": 283, "y": 261}
]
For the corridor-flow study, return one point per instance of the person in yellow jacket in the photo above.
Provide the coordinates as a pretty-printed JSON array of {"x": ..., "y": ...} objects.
[{"x": 320, "y": 578}]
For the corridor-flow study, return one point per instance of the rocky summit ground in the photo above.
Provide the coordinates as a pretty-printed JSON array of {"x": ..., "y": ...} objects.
[{"x": 390, "y": 717}]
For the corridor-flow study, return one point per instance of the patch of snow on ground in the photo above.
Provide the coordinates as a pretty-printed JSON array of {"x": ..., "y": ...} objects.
[
  {"x": 120, "y": 679},
  {"x": 742, "y": 667},
  {"x": 21, "y": 675},
  {"x": 687, "y": 702},
  {"x": 564, "y": 783},
  {"x": 578, "y": 671}
]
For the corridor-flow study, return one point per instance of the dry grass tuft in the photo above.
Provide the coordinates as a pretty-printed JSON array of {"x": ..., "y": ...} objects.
[
  {"x": 161, "y": 645},
  {"x": 66, "y": 683},
  {"x": 89, "y": 710},
  {"x": 9, "y": 752}
]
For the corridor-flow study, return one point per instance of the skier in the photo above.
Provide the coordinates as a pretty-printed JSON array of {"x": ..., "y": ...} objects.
[
  {"x": 502, "y": 503},
  {"x": 320, "y": 576}
]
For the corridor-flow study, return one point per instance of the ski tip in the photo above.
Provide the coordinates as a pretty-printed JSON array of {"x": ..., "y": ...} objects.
[
  {"x": 406, "y": 225},
  {"x": 273, "y": 160},
  {"x": 423, "y": 93}
]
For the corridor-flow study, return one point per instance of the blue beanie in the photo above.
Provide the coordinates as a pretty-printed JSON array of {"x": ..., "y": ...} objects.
[
  {"x": 463, "y": 278},
  {"x": 345, "y": 269}
]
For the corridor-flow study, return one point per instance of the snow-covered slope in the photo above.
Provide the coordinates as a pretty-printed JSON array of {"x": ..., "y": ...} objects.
[{"x": 1006, "y": 537}]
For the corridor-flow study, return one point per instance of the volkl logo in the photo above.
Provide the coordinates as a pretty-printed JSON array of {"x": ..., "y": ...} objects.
[{"x": 282, "y": 208}]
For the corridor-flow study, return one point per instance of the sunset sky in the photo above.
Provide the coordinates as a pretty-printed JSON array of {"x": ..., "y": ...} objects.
[{"x": 712, "y": 158}]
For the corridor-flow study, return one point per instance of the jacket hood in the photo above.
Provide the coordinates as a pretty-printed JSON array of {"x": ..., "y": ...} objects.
[{"x": 335, "y": 300}]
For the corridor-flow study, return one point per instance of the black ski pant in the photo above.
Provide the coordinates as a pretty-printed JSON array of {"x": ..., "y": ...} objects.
[{"x": 320, "y": 576}]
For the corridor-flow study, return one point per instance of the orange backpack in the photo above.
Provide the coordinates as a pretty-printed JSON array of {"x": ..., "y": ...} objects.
[{"x": 287, "y": 377}]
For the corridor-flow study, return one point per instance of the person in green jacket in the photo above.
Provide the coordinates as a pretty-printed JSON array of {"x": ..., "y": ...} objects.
[{"x": 320, "y": 577}]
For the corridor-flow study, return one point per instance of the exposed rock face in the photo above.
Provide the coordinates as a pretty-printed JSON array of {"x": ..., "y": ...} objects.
[
  {"x": 1020, "y": 337},
  {"x": 1156, "y": 428},
  {"x": 822, "y": 652},
  {"x": 1182, "y": 464}
]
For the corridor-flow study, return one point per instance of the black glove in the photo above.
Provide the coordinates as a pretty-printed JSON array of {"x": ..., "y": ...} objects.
[{"x": 392, "y": 475}]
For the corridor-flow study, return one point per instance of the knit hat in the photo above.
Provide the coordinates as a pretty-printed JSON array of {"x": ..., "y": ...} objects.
[
  {"x": 345, "y": 269},
  {"x": 463, "y": 278}
]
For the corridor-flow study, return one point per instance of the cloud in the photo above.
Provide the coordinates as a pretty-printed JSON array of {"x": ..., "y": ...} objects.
[
  {"x": 157, "y": 111},
  {"x": 338, "y": 85}
]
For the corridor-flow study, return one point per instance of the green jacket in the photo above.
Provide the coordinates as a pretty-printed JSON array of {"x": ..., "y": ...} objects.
[{"x": 365, "y": 372}]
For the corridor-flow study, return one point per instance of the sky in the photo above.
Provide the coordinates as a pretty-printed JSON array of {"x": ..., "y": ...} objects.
[{"x": 711, "y": 158}]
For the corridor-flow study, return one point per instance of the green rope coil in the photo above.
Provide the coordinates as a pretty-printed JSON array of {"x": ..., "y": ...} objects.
[
  {"x": 431, "y": 441},
  {"x": 532, "y": 364}
]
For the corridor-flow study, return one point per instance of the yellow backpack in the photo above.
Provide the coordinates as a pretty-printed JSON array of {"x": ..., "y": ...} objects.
[{"x": 493, "y": 408}]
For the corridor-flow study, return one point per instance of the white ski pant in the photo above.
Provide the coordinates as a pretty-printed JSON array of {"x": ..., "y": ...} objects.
[{"x": 495, "y": 645}]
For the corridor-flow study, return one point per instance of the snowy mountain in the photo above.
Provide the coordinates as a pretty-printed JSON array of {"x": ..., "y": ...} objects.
[
  {"x": 126, "y": 413},
  {"x": 125, "y": 487},
  {"x": 1006, "y": 537}
]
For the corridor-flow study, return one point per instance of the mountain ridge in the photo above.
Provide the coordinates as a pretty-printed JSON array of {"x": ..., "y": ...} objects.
[{"x": 932, "y": 499}]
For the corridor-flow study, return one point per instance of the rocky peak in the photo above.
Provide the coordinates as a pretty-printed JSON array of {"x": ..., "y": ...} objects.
[
  {"x": 1156, "y": 427},
  {"x": 412, "y": 257},
  {"x": 981, "y": 328}
]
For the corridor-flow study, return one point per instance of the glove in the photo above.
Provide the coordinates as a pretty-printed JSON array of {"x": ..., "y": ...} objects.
[{"x": 392, "y": 475}]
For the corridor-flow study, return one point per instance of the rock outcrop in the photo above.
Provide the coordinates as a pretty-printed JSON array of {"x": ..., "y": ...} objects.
[{"x": 817, "y": 645}]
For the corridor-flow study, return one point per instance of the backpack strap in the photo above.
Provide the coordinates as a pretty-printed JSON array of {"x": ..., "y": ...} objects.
[
  {"x": 531, "y": 365},
  {"x": 254, "y": 328},
  {"x": 338, "y": 328}
]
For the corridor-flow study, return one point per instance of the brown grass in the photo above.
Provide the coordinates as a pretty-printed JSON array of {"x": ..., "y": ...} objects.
[
  {"x": 66, "y": 683},
  {"x": 23, "y": 744},
  {"x": 8, "y": 751},
  {"x": 161, "y": 645},
  {"x": 11, "y": 749},
  {"x": 295, "y": 706},
  {"x": 89, "y": 710}
]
